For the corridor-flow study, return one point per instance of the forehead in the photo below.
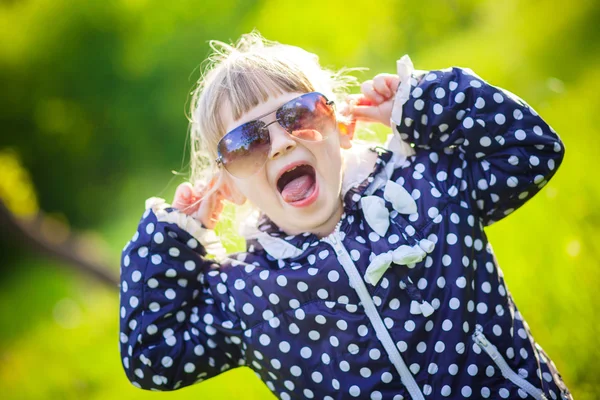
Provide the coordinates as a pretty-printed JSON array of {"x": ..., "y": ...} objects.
[{"x": 269, "y": 106}]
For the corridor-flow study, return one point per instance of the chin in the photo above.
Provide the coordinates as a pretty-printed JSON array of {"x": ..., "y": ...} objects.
[{"x": 312, "y": 220}]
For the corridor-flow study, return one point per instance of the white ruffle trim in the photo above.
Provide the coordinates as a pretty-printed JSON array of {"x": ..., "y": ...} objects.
[
  {"x": 277, "y": 247},
  {"x": 405, "y": 68},
  {"x": 207, "y": 237}
]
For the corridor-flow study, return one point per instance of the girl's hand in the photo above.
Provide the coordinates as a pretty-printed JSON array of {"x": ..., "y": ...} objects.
[
  {"x": 376, "y": 101},
  {"x": 194, "y": 202}
]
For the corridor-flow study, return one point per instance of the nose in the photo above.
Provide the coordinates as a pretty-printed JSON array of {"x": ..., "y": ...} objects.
[{"x": 281, "y": 141}]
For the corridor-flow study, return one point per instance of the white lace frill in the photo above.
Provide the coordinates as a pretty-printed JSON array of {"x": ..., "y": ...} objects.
[{"x": 207, "y": 237}]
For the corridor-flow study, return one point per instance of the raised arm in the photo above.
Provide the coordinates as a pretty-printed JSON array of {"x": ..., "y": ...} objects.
[
  {"x": 178, "y": 324},
  {"x": 485, "y": 136}
]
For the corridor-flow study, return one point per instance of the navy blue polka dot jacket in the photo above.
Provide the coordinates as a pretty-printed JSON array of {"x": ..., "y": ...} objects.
[{"x": 404, "y": 300}]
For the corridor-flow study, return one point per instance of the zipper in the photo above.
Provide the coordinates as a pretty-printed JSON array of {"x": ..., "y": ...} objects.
[
  {"x": 505, "y": 369},
  {"x": 381, "y": 331}
]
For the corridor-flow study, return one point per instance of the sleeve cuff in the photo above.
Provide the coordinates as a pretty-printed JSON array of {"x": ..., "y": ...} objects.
[
  {"x": 405, "y": 68},
  {"x": 207, "y": 237}
]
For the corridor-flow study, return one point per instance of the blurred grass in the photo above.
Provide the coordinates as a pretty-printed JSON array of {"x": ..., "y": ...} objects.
[{"x": 131, "y": 63}]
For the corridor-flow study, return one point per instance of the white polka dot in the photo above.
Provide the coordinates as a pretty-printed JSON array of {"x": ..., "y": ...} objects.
[
  {"x": 314, "y": 335},
  {"x": 374, "y": 237},
  {"x": 454, "y": 303},
  {"x": 485, "y": 141},
  {"x": 517, "y": 114},
  {"x": 264, "y": 339},
  {"x": 248, "y": 308},
  {"x": 189, "y": 265},
  {"x": 447, "y": 325},
  {"x": 520, "y": 134},
  {"x": 159, "y": 238},
  {"x": 284, "y": 347},
  {"x": 317, "y": 377},
  {"x": 497, "y": 330},
  {"x": 295, "y": 370},
  {"x": 466, "y": 391},
  {"x": 374, "y": 354},
  {"x": 354, "y": 391},
  {"x": 273, "y": 298},
  {"x": 409, "y": 325},
  {"x": 451, "y": 238},
  {"x": 143, "y": 251},
  {"x": 439, "y": 346},
  {"x": 446, "y": 260},
  {"x": 386, "y": 377},
  {"x": 446, "y": 391},
  {"x": 363, "y": 330},
  {"x": 472, "y": 369}
]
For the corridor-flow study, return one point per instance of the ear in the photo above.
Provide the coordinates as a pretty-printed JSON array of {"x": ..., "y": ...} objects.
[
  {"x": 226, "y": 187},
  {"x": 346, "y": 132}
]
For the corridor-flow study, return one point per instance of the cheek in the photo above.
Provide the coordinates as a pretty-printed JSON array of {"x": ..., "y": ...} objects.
[{"x": 257, "y": 190}]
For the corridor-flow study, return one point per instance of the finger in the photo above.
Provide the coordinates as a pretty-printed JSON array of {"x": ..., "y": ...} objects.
[
  {"x": 209, "y": 210},
  {"x": 183, "y": 197},
  {"x": 368, "y": 91},
  {"x": 384, "y": 84},
  {"x": 358, "y": 100},
  {"x": 366, "y": 113},
  {"x": 218, "y": 209}
]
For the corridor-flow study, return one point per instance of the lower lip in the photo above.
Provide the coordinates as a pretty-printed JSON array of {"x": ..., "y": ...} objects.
[{"x": 308, "y": 200}]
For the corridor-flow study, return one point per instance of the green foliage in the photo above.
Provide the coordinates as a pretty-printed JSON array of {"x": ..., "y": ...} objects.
[{"x": 93, "y": 103}]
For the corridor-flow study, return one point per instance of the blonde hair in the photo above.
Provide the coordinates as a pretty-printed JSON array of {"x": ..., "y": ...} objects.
[{"x": 243, "y": 75}]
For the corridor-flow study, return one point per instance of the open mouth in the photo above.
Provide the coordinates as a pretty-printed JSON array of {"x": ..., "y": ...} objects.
[{"x": 297, "y": 184}]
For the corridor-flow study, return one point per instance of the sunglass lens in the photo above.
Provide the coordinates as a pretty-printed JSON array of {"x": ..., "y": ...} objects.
[
  {"x": 308, "y": 117},
  {"x": 245, "y": 149}
]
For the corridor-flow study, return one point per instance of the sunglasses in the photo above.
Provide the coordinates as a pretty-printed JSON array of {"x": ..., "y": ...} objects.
[{"x": 244, "y": 150}]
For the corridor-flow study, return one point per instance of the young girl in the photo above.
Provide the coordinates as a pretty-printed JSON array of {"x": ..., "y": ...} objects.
[{"x": 369, "y": 274}]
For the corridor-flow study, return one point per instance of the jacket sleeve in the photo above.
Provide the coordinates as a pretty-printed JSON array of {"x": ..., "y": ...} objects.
[
  {"x": 178, "y": 324},
  {"x": 502, "y": 151}
]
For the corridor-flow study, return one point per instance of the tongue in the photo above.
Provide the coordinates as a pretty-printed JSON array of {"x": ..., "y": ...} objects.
[{"x": 298, "y": 188}]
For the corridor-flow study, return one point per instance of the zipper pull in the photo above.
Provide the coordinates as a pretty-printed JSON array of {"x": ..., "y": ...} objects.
[{"x": 480, "y": 338}]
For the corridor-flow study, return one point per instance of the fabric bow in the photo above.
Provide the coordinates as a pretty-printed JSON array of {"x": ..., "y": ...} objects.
[
  {"x": 377, "y": 214},
  {"x": 418, "y": 305},
  {"x": 403, "y": 255},
  {"x": 401, "y": 200}
]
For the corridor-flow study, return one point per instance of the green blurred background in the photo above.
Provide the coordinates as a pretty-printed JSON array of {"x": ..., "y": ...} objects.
[{"x": 93, "y": 97}]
